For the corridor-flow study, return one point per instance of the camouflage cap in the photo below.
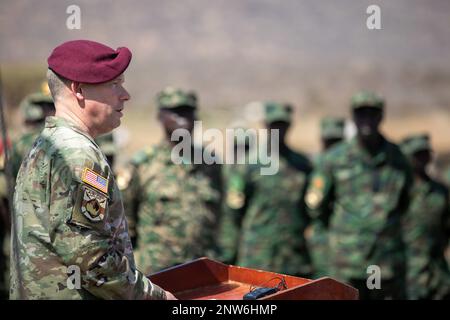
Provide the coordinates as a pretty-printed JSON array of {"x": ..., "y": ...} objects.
[
  {"x": 172, "y": 98},
  {"x": 275, "y": 111},
  {"x": 415, "y": 143},
  {"x": 107, "y": 144},
  {"x": 367, "y": 99},
  {"x": 31, "y": 106},
  {"x": 331, "y": 128}
]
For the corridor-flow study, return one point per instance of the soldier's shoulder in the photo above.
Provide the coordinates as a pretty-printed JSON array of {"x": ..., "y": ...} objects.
[
  {"x": 439, "y": 187},
  {"x": 396, "y": 155},
  {"x": 339, "y": 151},
  {"x": 69, "y": 146},
  {"x": 301, "y": 161}
]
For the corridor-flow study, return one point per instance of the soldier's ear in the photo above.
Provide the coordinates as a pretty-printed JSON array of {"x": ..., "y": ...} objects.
[{"x": 75, "y": 88}]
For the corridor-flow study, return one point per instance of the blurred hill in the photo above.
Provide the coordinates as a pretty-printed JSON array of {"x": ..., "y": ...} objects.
[{"x": 312, "y": 53}]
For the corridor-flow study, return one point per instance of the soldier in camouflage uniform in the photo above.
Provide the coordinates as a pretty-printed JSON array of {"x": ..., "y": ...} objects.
[
  {"x": 35, "y": 107},
  {"x": 234, "y": 175},
  {"x": 360, "y": 190},
  {"x": 426, "y": 226},
  {"x": 269, "y": 209},
  {"x": 177, "y": 206},
  {"x": 70, "y": 239},
  {"x": 331, "y": 133}
]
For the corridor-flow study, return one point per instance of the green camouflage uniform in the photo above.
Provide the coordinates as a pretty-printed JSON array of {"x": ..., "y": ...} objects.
[
  {"x": 32, "y": 111},
  {"x": 426, "y": 232},
  {"x": 234, "y": 177},
  {"x": 176, "y": 208},
  {"x": 316, "y": 235},
  {"x": 69, "y": 213},
  {"x": 362, "y": 199},
  {"x": 268, "y": 211}
]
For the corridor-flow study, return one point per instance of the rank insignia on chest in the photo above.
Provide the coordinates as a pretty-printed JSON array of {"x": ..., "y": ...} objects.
[
  {"x": 95, "y": 180},
  {"x": 93, "y": 205}
]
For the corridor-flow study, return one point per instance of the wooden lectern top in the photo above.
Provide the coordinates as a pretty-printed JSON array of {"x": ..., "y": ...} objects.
[{"x": 207, "y": 279}]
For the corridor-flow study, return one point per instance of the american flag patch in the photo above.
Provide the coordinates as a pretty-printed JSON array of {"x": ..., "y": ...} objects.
[{"x": 95, "y": 180}]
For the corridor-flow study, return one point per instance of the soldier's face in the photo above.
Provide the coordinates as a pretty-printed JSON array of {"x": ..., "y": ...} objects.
[
  {"x": 177, "y": 118},
  {"x": 367, "y": 121},
  {"x": 104, "y": 104}
]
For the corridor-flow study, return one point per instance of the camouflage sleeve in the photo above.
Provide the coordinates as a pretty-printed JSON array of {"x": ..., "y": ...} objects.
[
  {"x": 92, "y": 232},
  {"x": 131, "y": 200},
  {"x": 319, "y": 192}
]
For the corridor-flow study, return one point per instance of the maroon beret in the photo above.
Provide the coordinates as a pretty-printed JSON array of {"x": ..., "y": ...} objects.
[{"x": 88, "y": 61}]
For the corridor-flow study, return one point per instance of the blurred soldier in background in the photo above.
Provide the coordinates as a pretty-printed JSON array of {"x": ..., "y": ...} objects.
[
  {"x": 177, "y": 205},
  {"x": 426, "y": 226},
  {"x": 272, "y": 207},
  {"x": 360, "y": 190},
  {"x": 234, "y": 176},
  {"x": 331, "y": 133},
  {"x": 35, "y": 107}
]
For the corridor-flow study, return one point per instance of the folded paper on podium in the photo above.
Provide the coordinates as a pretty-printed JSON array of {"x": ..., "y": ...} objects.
[{"x": 207, "y": 279}]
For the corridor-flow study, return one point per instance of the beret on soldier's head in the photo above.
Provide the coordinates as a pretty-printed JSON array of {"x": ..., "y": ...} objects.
[
  {"x": 275, "y": 111},
  {"x": 367, "y": 99},
  {"x": 170, "y": 98},
  {"x": 88, "y": 61},
  {"x": 415, "y": 143}
]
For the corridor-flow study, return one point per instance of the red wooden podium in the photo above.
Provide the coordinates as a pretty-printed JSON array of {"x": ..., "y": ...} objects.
[{"x": 207, "y": 279}]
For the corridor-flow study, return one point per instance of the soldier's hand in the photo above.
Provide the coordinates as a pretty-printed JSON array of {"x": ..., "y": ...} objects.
[{"x": 170, "y": 296}]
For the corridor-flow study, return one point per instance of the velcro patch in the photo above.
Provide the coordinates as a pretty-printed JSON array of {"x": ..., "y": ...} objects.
[
  {"x": 93, "y": 205},
  {"x": 95, "y": 180},
  {"x": 90, "y": 206}
]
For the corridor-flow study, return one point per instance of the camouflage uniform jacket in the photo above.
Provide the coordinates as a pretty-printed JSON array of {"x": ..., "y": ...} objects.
[
  {"x": 271, "y": 208},
  {"x": 176, "y": 208},
  {"x": 426, "y": 231},
  {"x": 362, "y": 199},
  {"x": 69, "y": 216}
]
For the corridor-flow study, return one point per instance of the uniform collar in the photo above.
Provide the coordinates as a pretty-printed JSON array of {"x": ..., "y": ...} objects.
[
  {"x": 54, "y": 122},
  {"x": 362, "y": 153}
]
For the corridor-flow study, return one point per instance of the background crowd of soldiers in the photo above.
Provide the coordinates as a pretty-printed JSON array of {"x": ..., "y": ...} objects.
[{"x": 363, "y": 201}]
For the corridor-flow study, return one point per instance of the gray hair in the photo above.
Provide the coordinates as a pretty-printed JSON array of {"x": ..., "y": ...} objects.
[{"x": 56, "y": 84}]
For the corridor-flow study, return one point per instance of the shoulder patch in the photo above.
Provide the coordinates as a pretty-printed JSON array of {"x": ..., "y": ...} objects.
[
  {"x": 235, "y": 199},
  {"x": 315, "y": 193},
  {"x": 90, "y": 207},
  {"x": 95, "y": 180}
]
